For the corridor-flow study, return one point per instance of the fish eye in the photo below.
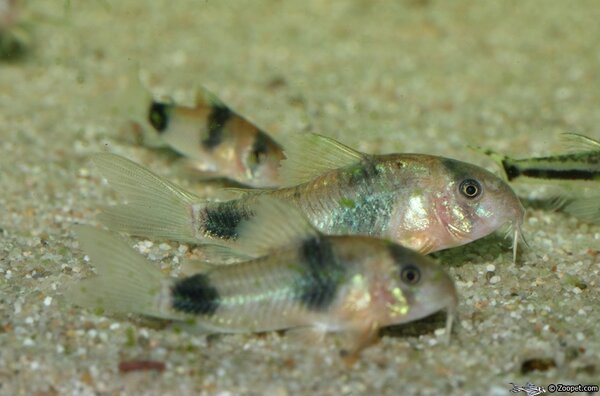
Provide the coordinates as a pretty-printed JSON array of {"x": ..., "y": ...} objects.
[
  {"x": 410, "y": 274},
  {"x": 470, "y": 188}
]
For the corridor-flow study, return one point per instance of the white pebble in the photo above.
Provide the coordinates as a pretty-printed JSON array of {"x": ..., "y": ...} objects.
[
  {"x": 182, "y": 249},
  {"x": 490, "y": 268},
  {"x": 494, "y": 279},
  {"x": 47, "y": 301},
  {"x": 439, "y": 332}
]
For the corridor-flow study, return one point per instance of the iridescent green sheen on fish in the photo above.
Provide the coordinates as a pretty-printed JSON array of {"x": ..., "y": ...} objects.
[{"x": 424, "y": 202}]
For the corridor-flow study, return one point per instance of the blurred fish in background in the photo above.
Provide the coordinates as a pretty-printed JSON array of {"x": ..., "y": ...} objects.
[
  {"x": 576, "y": 174},
  {"x": 15, "y": 35},
  {"x": 217, "y": 140}
]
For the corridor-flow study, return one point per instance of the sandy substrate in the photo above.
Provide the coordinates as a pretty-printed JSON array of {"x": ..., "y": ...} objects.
[{"x": 420, "y": 75}]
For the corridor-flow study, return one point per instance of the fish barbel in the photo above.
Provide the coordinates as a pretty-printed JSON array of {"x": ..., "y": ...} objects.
[
  {"x": 423, "y": 202},
  {"x": 218, "y": 141},
  {"x": 578, "y": 170},
  {"x": 305, "y": 281}
]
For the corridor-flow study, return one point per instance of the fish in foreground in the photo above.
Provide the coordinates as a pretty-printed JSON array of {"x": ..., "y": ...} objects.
[
  {"x": 579, "y": 169},
  {"x": 218, "y": 141},
  {"x": 424, "y": 202},
  {"x": 299, "y": 279}
]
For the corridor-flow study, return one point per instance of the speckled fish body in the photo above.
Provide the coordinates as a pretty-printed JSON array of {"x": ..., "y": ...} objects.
[
  {"x": 579, "y": 170},
  {"x": 419, "y": 201},
  {"x": 414, "y": 200},
  {"x": 348, "y": 284},
  {"x": 218, "y": 141},
  {"x": 423, "y": 202}
]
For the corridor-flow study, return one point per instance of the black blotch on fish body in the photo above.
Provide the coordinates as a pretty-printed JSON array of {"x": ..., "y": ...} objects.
[
  {"x": 320, "y": 276},
  {"x": 217, "y": 119},
  {"x": 195, "y": 295},
  {"x": 221, "y": 220},
  {"x": 158, "y": 116}
]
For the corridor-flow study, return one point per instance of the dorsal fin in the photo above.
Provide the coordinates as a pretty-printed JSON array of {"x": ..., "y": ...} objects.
[
  {"x": 577, "y": 142},
  {"x": 204, "y": 98},
  {"x": 310, "y": 155},
  {"x": 275, "y": 225}
]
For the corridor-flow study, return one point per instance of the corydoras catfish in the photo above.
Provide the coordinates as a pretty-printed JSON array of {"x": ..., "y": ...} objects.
[
  {"x": 218, "y": 141},
  {"x": 423, "y": 202},
  {"x": 300, "y": 280}
]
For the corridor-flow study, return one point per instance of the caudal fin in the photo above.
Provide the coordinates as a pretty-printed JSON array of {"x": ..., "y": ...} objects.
[
  {"x": 126, "y": 282},
  {"x": 156, "y": 208}
]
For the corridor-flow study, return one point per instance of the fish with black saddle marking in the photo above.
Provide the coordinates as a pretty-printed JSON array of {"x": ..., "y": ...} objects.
[
  {"x": 218, "y": 141},
  {"x": 579, "y": 171},
  {"x": 423, "y": 202},
  {"x": 298, "y": 279}
]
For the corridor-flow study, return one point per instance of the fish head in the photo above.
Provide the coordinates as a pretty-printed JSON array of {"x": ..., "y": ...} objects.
[
  {"x": 471, "y": 202},
  {"x": 418, "y": 287}
]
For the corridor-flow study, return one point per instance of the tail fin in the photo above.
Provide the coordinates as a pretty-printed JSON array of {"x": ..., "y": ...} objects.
[
  {"x": 126, "y": 281},
  {"x": 156, "y": 208}
]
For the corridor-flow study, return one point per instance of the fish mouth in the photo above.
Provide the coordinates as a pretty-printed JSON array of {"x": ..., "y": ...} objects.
[
  {"x": 456, "y": 233},
  {"x": 514, "y": 230}
]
